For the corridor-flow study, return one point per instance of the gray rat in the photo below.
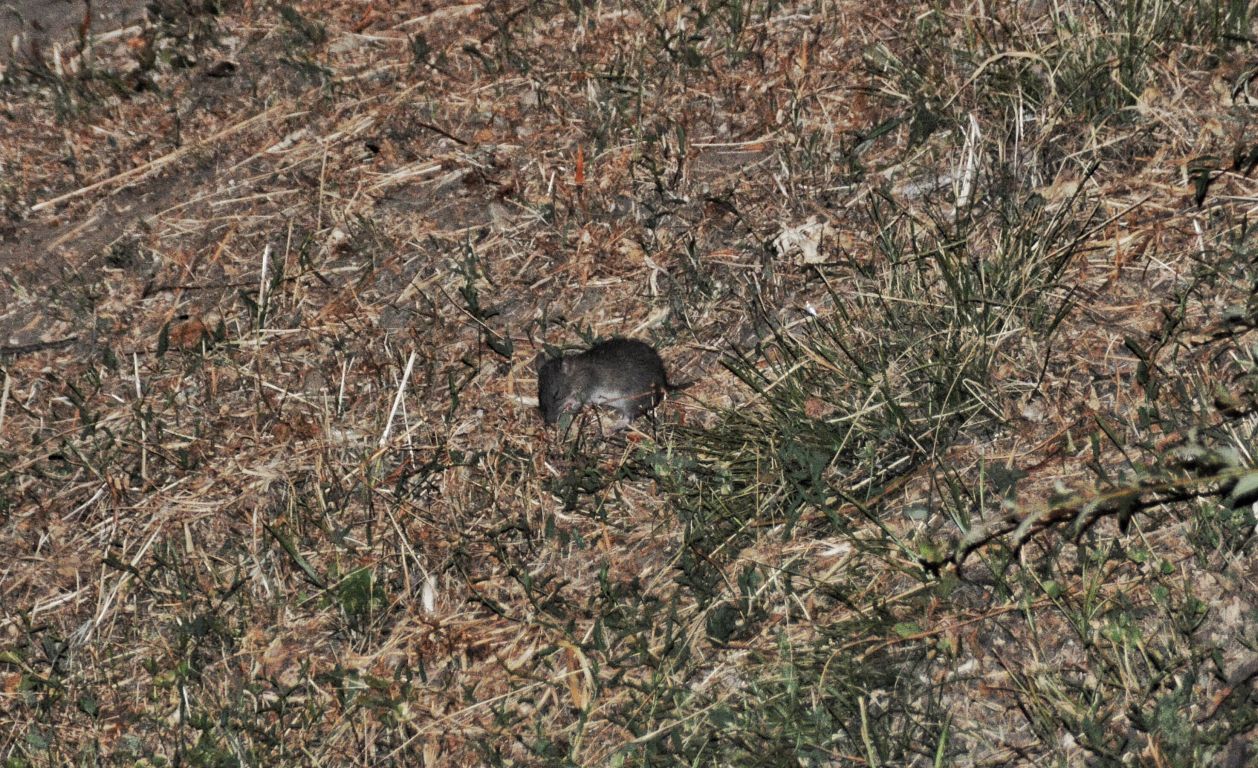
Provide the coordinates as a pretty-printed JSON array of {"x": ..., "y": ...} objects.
[{"x": 625, "y": 375}]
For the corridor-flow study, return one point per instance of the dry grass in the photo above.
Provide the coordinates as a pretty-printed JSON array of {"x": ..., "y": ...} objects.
[{"x": 965, "y": 479}]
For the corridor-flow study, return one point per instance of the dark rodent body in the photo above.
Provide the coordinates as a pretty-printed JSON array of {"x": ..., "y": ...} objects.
[{"x": 626, "y": 375}]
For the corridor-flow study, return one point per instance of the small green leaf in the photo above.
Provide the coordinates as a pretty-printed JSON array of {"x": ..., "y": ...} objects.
[
  {"x": 12, "y": 657},
  {"x": 163, "y": 340},
  {"x": 929, "y": 551},
  {"x": 287, "y": 543},
  {"x": 356, "y": 592},
  {"x": 88, "y": 705},
  {"x": 907, "y": 629}
]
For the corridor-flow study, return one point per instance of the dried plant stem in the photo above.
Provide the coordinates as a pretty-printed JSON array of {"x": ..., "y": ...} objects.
[{"x": 397, "y": 400}]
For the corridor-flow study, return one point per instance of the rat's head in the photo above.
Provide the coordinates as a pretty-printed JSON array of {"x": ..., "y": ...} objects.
[{"x": 560, "y": 387}]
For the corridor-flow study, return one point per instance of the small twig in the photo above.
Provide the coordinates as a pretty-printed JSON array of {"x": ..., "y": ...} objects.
[
  {"x": 39, "y": 346},
  {"x": 286, "y": 542},
  {"x": 435, "y": 129},
  {"x": 397, "y": 400},
  {"x": 1084, "y": 510},
  {"x": 510, "y": 17},
  {"x": 266, "y": 260},
  {"x": 4, "y": 399},
  {"x": 139, "y": 402}
]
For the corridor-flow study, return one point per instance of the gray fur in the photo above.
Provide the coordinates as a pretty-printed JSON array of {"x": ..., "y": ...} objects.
[{"x": 625, "y": 375}]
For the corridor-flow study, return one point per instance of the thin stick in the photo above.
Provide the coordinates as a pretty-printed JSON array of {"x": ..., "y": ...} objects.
[
  {"x": 144, "y": 427},
  {"x": 4, "y": 399},
  {"x": 340, "y": 391},
  {"x": 397, "y": 400},
  {"x": 266, "y": 260}
]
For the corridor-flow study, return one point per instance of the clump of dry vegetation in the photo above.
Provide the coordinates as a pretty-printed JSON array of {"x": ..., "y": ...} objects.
[{"x": 967, "y": 475}]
